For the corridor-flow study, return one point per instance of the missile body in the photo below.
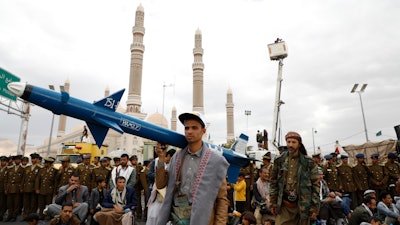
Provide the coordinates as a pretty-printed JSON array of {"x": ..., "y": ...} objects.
[{"x": 102, "y": 115}]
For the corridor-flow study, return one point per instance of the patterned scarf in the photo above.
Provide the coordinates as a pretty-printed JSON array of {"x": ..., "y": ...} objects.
[{"x": 119, "y": 198}]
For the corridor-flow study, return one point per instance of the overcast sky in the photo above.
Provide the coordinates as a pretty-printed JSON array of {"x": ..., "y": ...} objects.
[{"x": 332, "y": 45}]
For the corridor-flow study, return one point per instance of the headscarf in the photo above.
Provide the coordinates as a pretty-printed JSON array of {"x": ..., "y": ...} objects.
[{"x": 295, "y": 135}]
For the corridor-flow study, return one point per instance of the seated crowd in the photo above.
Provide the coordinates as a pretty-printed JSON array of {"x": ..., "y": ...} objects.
[
  {"x": 352, "y": 195},
  {"x": 72, "y": 204}
]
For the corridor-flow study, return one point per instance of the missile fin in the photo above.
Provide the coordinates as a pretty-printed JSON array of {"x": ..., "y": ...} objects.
[
  {"x": 111, "y": 102},
  {"x": 240, "y": 144},
  {"x": 98, "y": 132},
  {"x": 233, "y": 173}
]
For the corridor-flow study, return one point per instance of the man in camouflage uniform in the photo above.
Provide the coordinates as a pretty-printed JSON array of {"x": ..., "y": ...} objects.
[
  {"x": 360, "y": 172},
  {"x": 64, "y": 172},
  {"x": 393, "y": 168},
  {"x": 45, "y": 185},
  {"x": 101, "y": 171},
  {"x": 3, "y": 197},
  {"x": 85, "y": 171},
  {"x": 331, "y": 173},
  {"x": 294, "y": 184},
  {"x": 346, "y": 181},
  {"x": 13, "y": 186},
  {"x": 378, "y": 175},
  {"x": 30, "y": 198}
]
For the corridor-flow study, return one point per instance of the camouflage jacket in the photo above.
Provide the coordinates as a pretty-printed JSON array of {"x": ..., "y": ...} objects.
[{"x": 307, "y": 180}]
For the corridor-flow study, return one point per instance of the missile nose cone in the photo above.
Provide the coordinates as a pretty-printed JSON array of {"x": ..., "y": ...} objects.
[{"x": 17, "y": 88}]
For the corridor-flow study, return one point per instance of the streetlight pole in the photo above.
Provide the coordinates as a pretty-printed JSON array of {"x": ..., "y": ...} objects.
[
  {"x": 354, "y": 89},
  {"x": 163, "y": 99},
  {"x": 313, "y": 142},
  {"x": 247, "y": 113},
  {"x": 51, "y": 128}
]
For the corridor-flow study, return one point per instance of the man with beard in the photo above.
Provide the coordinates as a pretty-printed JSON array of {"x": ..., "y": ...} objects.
[
  {"x": 123, "y": 170},
  {"x": 66, "y": 216},
  {"x": 294, "y": 184},
  {"x": 72, "y": 192}
]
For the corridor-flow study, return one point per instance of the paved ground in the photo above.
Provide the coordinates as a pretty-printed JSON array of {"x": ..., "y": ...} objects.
[{"x": 42, "y": 222}]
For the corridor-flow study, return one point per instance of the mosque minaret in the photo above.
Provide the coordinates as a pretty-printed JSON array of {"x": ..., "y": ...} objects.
[
  {"x": 134, "y": 102},
  {"x": 229, "y": 117},
  {"x": 198, "y": 68},
  {"x": 63, "y": 119},
  {"x": 107, "y": 92},
  {"x": 132, "y": 144},
  {"x": 173, "y": 119}
]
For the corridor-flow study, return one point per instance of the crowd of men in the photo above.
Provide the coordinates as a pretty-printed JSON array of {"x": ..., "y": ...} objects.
[
  {"x": 342, "y": 188},
  {"x": 294, "y": 189},
  {"x": 355, "y": 180},
  {"x": 28, "y": 188}
]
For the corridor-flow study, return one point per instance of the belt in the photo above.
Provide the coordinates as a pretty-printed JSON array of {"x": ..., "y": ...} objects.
[{"x": 289, "y": 204}]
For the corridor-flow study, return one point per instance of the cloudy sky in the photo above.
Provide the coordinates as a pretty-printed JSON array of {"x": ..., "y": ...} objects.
[{"x": 332, "y": 45}]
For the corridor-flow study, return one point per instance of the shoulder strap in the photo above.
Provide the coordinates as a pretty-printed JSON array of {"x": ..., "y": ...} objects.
[{"x": 178, "y": 174}]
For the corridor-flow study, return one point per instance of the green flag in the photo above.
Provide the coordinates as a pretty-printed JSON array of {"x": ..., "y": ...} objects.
[{"x": 379, "y": 133}]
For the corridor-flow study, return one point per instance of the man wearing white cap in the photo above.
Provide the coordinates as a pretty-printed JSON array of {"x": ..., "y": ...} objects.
[
  {"x": 370, "y": 193},
  {"x": 195, "y": 179}
]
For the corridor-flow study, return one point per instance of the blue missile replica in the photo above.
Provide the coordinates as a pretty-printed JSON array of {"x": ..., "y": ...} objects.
[{"x": 101, "y": 115}]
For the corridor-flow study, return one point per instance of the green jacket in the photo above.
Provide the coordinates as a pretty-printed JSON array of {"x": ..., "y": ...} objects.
[{"x": 307, "y": 180}]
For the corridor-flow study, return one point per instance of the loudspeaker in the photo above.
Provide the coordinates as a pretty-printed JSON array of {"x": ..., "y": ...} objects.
[{"x": 397, "y": 130}]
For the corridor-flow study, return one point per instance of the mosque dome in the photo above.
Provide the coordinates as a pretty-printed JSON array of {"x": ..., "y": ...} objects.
[
  {"x": 157, "y": 119},
  {"x": 120, "y": 109}
]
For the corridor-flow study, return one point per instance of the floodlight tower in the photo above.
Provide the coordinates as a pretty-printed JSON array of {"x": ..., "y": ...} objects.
[
  {"x": 354, "y": 89},
  {"x": 277, "y": 51}
]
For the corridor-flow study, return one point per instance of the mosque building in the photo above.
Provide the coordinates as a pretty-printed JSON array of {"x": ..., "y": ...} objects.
[{"x": 134, "y": 145}]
